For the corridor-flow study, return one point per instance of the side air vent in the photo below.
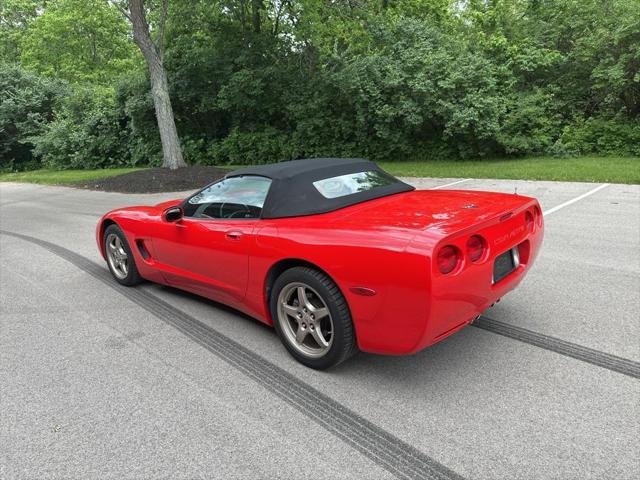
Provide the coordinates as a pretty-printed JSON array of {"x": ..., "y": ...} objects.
[{"x": 143, "y": 250}]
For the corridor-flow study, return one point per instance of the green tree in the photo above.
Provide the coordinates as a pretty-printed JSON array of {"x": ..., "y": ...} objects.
[
  {"x": 15, "y": 18},
  {"x": 251, "y": 81},
  {"x": 82, "y": 41}
]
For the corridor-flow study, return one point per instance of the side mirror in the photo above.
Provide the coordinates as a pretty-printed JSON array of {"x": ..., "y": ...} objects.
[{"x": 172, "y": 214}]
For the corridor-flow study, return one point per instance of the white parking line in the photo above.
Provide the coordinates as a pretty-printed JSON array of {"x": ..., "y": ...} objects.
[
  {"x": 574, "y": 200},
  {"x": 449, "y": 184}
]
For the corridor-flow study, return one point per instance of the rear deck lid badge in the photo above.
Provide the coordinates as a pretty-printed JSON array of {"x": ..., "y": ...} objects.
[{"x": 516, "y": 232}]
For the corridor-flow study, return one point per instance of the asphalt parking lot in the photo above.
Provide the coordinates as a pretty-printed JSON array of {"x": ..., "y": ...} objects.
[{"x": 98, "y": 381}]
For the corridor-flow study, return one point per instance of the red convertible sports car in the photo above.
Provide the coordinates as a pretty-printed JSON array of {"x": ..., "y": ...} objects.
[{"x": 337, "y": 254}]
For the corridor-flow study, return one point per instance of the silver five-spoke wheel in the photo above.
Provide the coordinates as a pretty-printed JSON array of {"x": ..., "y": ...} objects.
[
  {"x": 305, "y": 319},
  {"x": 117, "y": 256}
]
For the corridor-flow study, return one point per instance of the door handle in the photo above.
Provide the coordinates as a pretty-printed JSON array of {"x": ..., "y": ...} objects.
[{"x": 233, "y": 235}]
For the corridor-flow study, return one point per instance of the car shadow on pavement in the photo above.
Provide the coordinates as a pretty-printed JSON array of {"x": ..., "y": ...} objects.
[{"x": 438, "y": 360}]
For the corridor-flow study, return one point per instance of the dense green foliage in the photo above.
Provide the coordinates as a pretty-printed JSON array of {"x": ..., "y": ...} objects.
[
  {"x": 390, "y": 80},
  {"x": 28, "y": 102}
]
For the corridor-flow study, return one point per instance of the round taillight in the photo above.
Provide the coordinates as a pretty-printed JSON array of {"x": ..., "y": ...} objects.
[
  {"x": 538, "y": 215},
  {"x": 448, "y": 258},
  {"x": 476, "y": 247},
  {"x": 528, "y": 218}
]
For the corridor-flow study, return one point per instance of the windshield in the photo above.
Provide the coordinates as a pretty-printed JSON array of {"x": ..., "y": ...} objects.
[{"x": 234, "y": 197}]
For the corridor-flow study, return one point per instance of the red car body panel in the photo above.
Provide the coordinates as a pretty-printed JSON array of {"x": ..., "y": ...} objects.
[{"x": 384, "y": 248}]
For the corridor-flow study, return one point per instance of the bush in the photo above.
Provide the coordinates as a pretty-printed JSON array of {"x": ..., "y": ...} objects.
[
  {"x": 420, "y": 91},
  {"x": 251, "y": 148},
  {"x": 530, "y": 125},
  {"x": 600, "y": 136},
  {"x": 28, "y": 101},
  {"x": 87, "y": 132}
]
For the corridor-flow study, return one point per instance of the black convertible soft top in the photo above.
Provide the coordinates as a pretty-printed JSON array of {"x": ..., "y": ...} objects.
[{"x": 293, "y": 194}]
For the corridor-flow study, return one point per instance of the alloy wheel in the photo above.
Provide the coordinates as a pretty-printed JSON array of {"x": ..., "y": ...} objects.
[
  {"x": 305, "y": 319},
  {"x": 117, "y": 256}
]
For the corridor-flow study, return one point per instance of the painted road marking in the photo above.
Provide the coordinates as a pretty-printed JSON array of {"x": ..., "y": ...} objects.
[
  {"x": 449, "y": 184},
  {"x": 569, "y": 202}
]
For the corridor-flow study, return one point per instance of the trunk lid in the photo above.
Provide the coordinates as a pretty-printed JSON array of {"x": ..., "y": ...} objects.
[{"x": 446, "y": 211}]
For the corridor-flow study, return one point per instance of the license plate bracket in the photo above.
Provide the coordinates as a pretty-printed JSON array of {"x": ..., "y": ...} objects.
[{"x": 505, "y": 263}]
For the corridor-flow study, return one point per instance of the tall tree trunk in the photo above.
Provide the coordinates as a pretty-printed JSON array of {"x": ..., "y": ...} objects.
[
  {"x": 153, "y": 55},
  {"x": 171, "y": 150}
]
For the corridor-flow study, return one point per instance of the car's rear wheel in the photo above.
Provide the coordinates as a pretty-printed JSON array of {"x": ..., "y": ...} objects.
[
  {"x": 119, "y": 257},
  {"x": 312, "y": 318}
]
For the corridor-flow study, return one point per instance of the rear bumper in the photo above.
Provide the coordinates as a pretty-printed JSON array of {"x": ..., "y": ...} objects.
[
  {"x": 450, "y": 302},
  {"x": 455, "y": 304},
  {"x": 458, "y": 299}
]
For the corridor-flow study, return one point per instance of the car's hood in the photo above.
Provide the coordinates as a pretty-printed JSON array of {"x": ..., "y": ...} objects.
[
  {"x": 447, "y": 210},
  {"x": 143, "y": 210}
]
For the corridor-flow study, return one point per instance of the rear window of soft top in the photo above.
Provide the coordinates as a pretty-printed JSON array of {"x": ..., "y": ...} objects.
[{"x": 351, "y": 183}]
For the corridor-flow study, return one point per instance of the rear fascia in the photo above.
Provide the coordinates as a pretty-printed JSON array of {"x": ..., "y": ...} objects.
[{"x": 456, "y": 299}]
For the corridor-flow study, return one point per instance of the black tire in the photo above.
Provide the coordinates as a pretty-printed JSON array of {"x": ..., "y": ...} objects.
[
  {"x": 343, "y": 340},
  {"x": 132, "y": 276}
]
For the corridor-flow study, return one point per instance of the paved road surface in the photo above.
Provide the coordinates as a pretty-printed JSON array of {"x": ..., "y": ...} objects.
[{"x": 103, "y": 382}]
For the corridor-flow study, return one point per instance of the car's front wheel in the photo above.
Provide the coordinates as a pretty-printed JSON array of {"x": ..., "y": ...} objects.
[
  {"x": 119, "y": 257},
  {"x": 312, "y": 318}
]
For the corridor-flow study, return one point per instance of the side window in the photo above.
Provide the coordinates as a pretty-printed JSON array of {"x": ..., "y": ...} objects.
[{"x": 235, "y": 197}]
